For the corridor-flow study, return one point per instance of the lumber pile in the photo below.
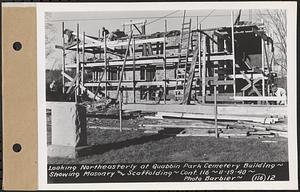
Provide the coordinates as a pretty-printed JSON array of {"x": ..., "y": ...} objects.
[
  {"x": 226, "y": 129},
  {"x": 222, "y": 117}
]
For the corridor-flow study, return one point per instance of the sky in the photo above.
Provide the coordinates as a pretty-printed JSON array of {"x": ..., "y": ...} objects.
[{"x": 91, "y": 22}]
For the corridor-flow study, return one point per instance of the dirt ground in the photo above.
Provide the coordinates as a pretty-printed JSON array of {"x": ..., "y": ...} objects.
[{"x": 133, "y": 146}]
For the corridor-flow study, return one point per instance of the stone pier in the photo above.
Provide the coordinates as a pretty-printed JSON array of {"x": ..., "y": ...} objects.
[{"x": 68, "y": 130}]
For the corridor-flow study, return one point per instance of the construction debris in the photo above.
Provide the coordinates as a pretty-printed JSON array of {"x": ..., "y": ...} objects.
[{"x": 226, "y": 129}]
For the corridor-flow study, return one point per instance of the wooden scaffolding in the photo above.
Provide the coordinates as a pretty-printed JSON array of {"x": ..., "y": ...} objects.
[{"x": 178, "y": 66}]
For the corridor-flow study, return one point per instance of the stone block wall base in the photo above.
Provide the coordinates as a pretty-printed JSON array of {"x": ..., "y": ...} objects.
[{"x": 67, "y": 151}]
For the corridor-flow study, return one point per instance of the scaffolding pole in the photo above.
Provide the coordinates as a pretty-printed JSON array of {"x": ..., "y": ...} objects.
[
  {"x": 216, "y": 110},
  {"x": 203, "y": 68},
  {"x": 133, "y": 71},
  {"x": 263, "y": 65},
  {"x": 99, "y": 38},
  {"x": 63, "y": 58},
  {"x": 77, "y": 64},
  {"x": 105, "y": 61},
  {"x": 233, "y": 52},
  {"x": 83, "y": 61},
  {"x": 120, "y": 108},
  {"x": 165, "y": 64}
]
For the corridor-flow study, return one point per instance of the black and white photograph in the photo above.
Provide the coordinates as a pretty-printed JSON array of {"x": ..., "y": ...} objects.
[{"x": 180, "y": 94}]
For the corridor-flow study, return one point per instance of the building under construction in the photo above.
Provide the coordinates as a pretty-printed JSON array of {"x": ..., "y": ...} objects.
[{"x": 185, "y": 66}]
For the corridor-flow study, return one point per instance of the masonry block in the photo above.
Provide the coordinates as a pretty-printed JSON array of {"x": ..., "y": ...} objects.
[{"x": 68, "y": 129}]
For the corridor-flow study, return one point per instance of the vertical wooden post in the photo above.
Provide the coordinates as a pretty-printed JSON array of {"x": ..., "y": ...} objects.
[
  {"x": 130, "y": 27},
  {"x": 133, "y": 71},
  {"x": 105, "y": 62},
  {"x": 216, "y": 110},
  {"x": 212, "y": 44},
  {"x": 262, "y": 66},
  {"x": 199, "y": 57},
  {"x": 203, "y": 69},
  {"x": 120, "y": 107},
  {"x": 233, "y": 52},
  {"x": 63, "y": 58},
  {"x": 83, "y": 61},
  {"x": 99, "y": 38},
  {"x": 77, "y": 64},
  {"x": 165, "y": 64}
]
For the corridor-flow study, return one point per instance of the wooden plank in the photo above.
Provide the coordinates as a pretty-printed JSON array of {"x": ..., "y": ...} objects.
[
  {"x": 249, "y": 76},
  {"x": 256, "y": 98},
  {"x": 157, "y": 61},
  {"x": 259, "y": 133},
  {"x": 228, "y": 82},
  {"x": 221, "y": 117},
  {"x": 175, "y": 126},
  {"x": 72, "y": 83},
  {"x": 110, "y": 128},
  {"x": 113, "y": 44},
  {"x": 226, "y": 109},
  {"x": 228, "y": 135},
  {"x": 129, "y": 83},
  {"x": 90, "y": 94},
  {"x": 196, "y": 135}
]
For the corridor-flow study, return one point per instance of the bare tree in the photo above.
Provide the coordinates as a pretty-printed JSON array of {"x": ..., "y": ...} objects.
[
  {"x": 276, "y": 23},
  {"x": 51, "y": 38}
]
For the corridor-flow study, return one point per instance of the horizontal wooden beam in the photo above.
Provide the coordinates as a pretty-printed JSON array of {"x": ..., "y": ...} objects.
[
  {"x": 255, "y": 98},
  {"x": 175, "y": 126},
  {"x": 226, "y": 109},
  {"x": 90, "y": 94},
  {"x": 129, "y": 83},
  {"x": 228, "y": 82},
  {"x": 248, "y": 117},
  {"x": 148, "y": 61},
  {"x": 249, "y": 76},
  {"x": 112, "y": 44}
]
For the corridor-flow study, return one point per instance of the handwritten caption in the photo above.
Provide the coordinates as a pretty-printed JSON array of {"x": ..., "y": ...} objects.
[{"x": 176, "y": 172}]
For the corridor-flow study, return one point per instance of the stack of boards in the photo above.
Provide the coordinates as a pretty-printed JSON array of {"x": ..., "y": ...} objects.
[{"x": 247, "y": 127}]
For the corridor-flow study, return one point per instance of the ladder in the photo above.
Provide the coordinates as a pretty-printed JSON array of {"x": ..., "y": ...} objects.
[
  {"x": 183, "y": 54},
  {"x": 187, "y": 95}
]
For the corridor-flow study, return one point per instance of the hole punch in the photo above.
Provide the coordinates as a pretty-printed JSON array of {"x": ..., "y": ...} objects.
[
  {"x": 17, "y": 46},
  {"x": 17, "y": 147}
]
